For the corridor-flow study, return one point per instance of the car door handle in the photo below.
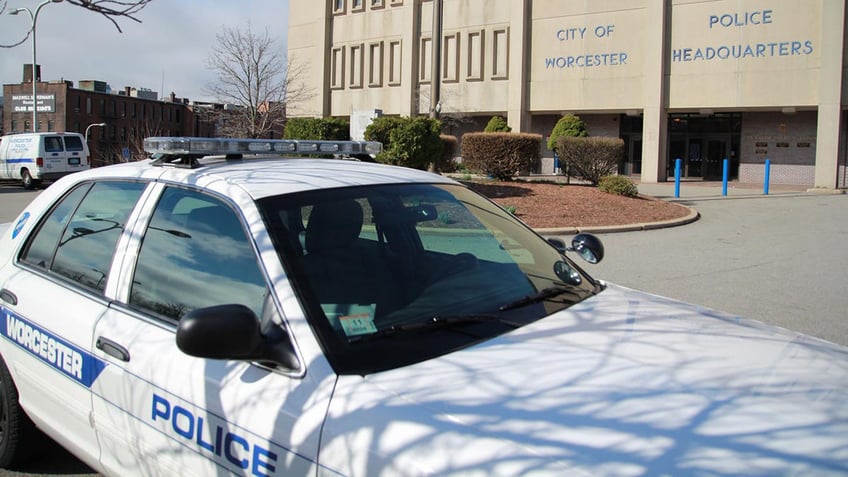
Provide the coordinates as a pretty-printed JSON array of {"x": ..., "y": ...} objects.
[
  {"x": 8, "y": 297},
  {"x": 112, "y": 349}
]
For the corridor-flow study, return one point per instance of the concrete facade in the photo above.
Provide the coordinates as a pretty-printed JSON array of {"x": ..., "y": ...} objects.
[{"x": 698, "y": 80}]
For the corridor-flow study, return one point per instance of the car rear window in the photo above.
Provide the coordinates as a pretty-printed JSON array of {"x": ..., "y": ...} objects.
[{"x": 73, "y": 143}]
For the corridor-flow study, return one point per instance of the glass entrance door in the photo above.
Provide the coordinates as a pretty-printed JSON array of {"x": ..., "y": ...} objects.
[
  {"x": 701, "y": 156},
  {"x": 633, "y": 165},
  {"x": 716, "y": 153}
]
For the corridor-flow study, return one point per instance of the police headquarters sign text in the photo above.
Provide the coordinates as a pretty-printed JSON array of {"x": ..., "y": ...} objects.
[
  {"x": 570, "y": 34},
  {"x": 22, "y": 103},
  {"x": 742, "y": 50}
]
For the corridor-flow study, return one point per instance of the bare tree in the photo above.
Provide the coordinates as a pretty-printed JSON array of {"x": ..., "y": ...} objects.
[
  {"x": 255, "y": 78},
  {"x": 111, "y": 9}
]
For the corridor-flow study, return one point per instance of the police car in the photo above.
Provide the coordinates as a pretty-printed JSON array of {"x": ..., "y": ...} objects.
[{"x": 214, "y": 310}]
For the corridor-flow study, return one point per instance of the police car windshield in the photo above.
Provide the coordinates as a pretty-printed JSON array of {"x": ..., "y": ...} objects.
[{"x": 374, "y": 258}]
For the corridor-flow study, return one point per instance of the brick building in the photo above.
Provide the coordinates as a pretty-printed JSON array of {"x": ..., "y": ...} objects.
[{"x": 129, "y": 115}]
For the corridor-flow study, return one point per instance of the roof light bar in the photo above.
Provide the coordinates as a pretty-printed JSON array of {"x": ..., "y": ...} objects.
[{"x": 204, "y": 146}]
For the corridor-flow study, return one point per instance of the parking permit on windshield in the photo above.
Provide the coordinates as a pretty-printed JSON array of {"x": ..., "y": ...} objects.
[
  {"x": 353, "y": 319},
  {"x": 360, "y": 322}
]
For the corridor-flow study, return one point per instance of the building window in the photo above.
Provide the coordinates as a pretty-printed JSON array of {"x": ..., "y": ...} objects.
[
  {"x": 338, "y": 7},
  {"x": 500, "y": 54},
  {"x": 450, "y": 58},
  {"x": 357, "y": 5},
  {"x": 375, "y": 64},
  {"x": 376, "y": 4},
  {"x": 133, "y": 110},
  {"x": 396, "y": 3},
  {"x": 87, "y": 105},
  {"x": 395, "y": 63},
  {"x": 50, "y": 125},
  {"x": 356, "y": 61},
  {"x": 337, "y": 68},
  {"x": 476, "y": 46},
  {"x": 424, "y": 68}
]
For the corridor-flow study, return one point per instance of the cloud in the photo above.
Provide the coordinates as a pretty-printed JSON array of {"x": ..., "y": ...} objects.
[{"x": 166, "y": 52}]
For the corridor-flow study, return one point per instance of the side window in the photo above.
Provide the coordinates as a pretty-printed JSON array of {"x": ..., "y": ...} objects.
[
  {"x": 73, "y": 143},
  {"x": 53, "y": 144},
  {"x": 77, "y": 239},
  {"x": 195, "y": 254}
]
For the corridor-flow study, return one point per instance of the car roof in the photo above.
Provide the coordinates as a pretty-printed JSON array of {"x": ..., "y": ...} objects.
[{"x": 264, "y": 177}]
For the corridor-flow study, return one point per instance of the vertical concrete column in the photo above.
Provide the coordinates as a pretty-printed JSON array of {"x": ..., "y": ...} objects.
[
  {"x": 830, "y": 95},
  {"x": 411, "y": 48},
  {"x": 519, "y": 40},
  {"x": 655, "y": 115}
]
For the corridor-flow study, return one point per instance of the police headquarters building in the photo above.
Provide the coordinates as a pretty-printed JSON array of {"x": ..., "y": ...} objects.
[{"x": 699, "y": 80}]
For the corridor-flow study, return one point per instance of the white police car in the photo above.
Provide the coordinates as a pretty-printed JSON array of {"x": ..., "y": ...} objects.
[{"x": 189, "y": 316}]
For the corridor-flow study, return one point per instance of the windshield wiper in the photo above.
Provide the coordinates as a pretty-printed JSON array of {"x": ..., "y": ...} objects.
[
  {"x": 445, "y": 321},
  {"x": 541, "y": 295}
]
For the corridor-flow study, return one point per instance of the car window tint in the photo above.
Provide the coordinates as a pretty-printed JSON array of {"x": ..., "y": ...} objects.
[
  {"x": 53, "y": 144},
  {"x": 73, "y": 143},
  {"x": 42, "y": 244},
  {"x": 85, "y": 252},
  {"x": 195, "y": 253}
]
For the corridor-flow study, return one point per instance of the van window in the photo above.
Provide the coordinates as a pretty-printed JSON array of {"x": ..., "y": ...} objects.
[
  {"x": 53, "y": 144},
  {"x": 73, "y": 143}
]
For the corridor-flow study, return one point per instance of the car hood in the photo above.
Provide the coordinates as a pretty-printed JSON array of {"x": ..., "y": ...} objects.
[{"x": 625, "y": 383}]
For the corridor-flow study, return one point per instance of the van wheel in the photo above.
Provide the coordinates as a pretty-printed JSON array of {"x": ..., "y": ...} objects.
[
  {"x": 29, "y": 182},
  {"x": 18, "y": 435}
]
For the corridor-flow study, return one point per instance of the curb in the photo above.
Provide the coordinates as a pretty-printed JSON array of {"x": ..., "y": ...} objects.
[{"x": 692, "y": 216}]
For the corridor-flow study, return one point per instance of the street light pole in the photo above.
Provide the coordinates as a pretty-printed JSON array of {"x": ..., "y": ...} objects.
[
  {"x": 34, "y": 18},
  {"x": 99, "y": 125}
]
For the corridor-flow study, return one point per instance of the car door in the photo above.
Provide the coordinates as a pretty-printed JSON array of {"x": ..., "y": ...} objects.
[
  {"x": 51, "y": 298},
  {"x": 161, "y": 412},
  {"x": 75, "y": 156},
  {"x": 55, "y": 157}
]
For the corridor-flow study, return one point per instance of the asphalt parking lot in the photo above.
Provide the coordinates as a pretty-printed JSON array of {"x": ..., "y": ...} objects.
[{"x": 780, "y": 259}]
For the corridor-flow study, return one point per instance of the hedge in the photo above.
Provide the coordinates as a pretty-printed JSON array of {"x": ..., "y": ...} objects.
[{"x": 501, "y": 155}]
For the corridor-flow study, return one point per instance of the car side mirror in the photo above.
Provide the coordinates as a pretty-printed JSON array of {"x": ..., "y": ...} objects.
[
  {"x": 231, "y": 332},
  {"x": 587, "y": 246}
]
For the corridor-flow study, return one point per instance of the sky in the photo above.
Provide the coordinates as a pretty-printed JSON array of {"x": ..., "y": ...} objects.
[{"x": 168, "y": 48}]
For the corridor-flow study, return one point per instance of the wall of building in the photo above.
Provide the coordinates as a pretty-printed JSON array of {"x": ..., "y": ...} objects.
[{"x": 775, "y": 63}]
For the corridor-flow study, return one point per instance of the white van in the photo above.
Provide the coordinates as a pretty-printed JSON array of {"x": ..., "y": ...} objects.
[{"x": 33, "y": 157}]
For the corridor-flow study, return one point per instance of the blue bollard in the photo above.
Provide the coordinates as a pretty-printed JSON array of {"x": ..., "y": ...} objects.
[
  {"x": 766, "y": 178},
  {"x": 677, "y": 165},
  {"x": 725, "y": 168}
]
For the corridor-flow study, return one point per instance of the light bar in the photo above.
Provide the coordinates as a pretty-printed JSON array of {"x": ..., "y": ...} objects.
[{"x": 206, "y": 146}]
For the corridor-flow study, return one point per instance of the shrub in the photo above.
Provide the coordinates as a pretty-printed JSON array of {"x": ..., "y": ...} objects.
[
  {"x": 497, "y": 124},
  {"x": 501, "y": 155},
  {"x": 591, "y": 158},
  {"x": 449, "y": 147},
  {"x": 327, "y": 129},
  {"x": 618, "y": 185},
  {"x": 409, "y": 142},
  {"x": 568, "y": 126},
  {"x": 380, "y": 129}
]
